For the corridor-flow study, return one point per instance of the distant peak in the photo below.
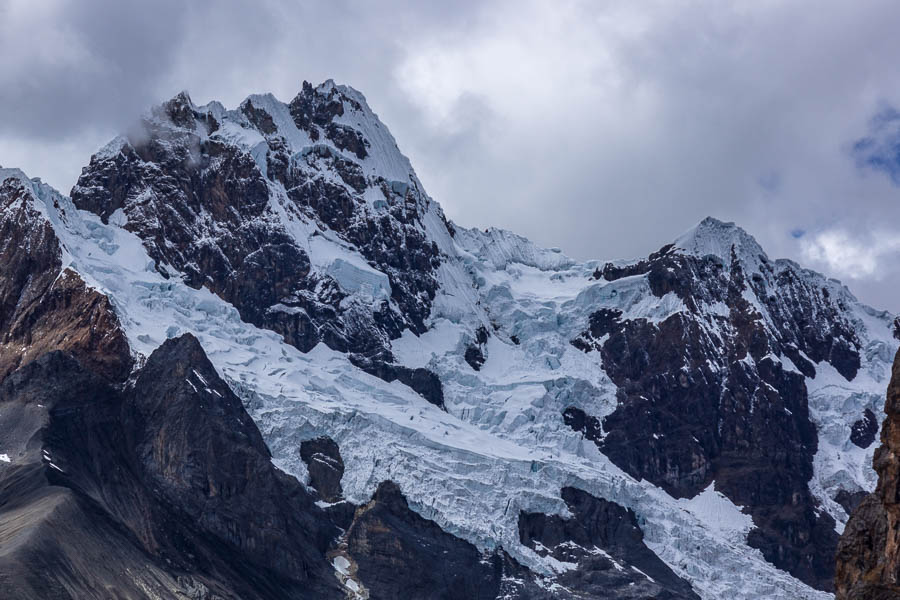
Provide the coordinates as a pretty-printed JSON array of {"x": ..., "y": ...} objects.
[
  {"x": 260, "y": 99},
  {"x": 719, "y": 238},
  {"x": 329, "y": 90},
  {"x": 180, "y": 110},
  {"x": 15, "y": 174},
  {"x": 33, "y": 185},
  {"x": 714, "y": 222},
  {"x": 182, "y": 97}
]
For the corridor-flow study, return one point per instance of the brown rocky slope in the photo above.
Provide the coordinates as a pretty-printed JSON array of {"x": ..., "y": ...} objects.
[{"x": 868, "y": 554}]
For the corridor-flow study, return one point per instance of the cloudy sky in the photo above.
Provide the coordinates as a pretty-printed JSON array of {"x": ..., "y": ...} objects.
[{"x": 605, "y": 128}]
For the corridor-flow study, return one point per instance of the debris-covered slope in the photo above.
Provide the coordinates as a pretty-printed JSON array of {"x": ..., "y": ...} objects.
[{"x": 712, "y": 407}]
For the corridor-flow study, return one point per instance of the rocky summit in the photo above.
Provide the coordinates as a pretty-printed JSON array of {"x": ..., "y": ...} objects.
[{"x": 248, "y": 357}]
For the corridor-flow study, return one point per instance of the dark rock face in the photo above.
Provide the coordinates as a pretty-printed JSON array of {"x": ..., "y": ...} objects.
[
  {"x": 176, "y": 189},
  {"x": 314, "y": 111},
  {"x": 42, "y": 307},
  {"x": 326, "y": 467},
  {"x": 474, "y": 354},
  {"x": 475, "y": 357},
  {"x": 72, "y": 317},
  {"x": 204, "y": 209},
  {"x": 29, "y": 250},
  {"x": 863, "y": 432},
  {"x": 799, "y": 309},
  {"x": 702, "y": 395},
  {"x": 167, "y": 485},
  {"x": 399, "y": 554},
  {"x": 850, "y": 500},
  {"x": 868, "y": 555},
  {"x": 393, "y": 241},
  {"x": 190, "y": 433},
  {"x": 577, "y": 419},
  {"x": 424, "y": 382},
  {"x": 259, "y": 118},
  {"x": 606, "y": 543}
]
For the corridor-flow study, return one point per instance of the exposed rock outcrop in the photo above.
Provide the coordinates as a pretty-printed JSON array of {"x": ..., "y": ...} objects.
[
  {"x": 325, "y": 465},
  {"x": 868, "y": 555},
  {"x": 170, "y": 477},
  {"x": 44, "y": 307},
  {"x": 864, "y": 430},
  {"x": 603, "y": 545},
  {"x": 720, "y": 394},
  {"x": 399, "y": 554}
]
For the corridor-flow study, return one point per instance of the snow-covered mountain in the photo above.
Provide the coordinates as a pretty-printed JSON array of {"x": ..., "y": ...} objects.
[{"x": 452, "y": 401}]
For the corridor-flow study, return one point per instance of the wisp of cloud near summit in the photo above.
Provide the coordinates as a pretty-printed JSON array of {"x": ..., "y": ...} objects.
[{"x": 603, "y": 128}]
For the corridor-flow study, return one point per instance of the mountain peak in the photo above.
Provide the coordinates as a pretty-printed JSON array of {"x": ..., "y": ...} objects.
[
  {"x": 39, "y": 195},
  {"x": 180, "y": 110},
  {"x": 7, "y": 173},
  {"x": 330, "y": 87},
  {"x": 720, "y": 238}
]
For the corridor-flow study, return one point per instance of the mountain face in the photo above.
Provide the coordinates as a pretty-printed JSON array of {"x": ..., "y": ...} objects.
[
  {"x": 250, "y": 355},
  {"x": 42, "y": 306},
  {"x": 717, "y": 391}
]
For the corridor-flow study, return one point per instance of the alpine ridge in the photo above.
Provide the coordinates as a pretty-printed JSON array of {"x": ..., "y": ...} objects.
[{"x": 298, "y": 379}]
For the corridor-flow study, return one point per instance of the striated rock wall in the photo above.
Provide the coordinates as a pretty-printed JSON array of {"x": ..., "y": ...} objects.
[
  {"x": 868, "y": 554},
  {"x": 44, "y": 307}
]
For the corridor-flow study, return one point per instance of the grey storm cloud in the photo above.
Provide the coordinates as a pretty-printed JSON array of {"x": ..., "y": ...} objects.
[{"x": 603, "y": 128}]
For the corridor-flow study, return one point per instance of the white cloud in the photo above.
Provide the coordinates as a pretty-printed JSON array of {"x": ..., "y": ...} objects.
[
  {"x": 855, "y": 257},
  {"x": 604, "y": 128}
]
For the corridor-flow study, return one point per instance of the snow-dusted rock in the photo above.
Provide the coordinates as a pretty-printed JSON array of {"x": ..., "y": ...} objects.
[{"x": 707, "y": 388}]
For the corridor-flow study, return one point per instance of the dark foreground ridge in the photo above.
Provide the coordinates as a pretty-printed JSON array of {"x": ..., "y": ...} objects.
[
  {"x": 868, "y": 555},
  {"x": 164, "y": 488}
]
